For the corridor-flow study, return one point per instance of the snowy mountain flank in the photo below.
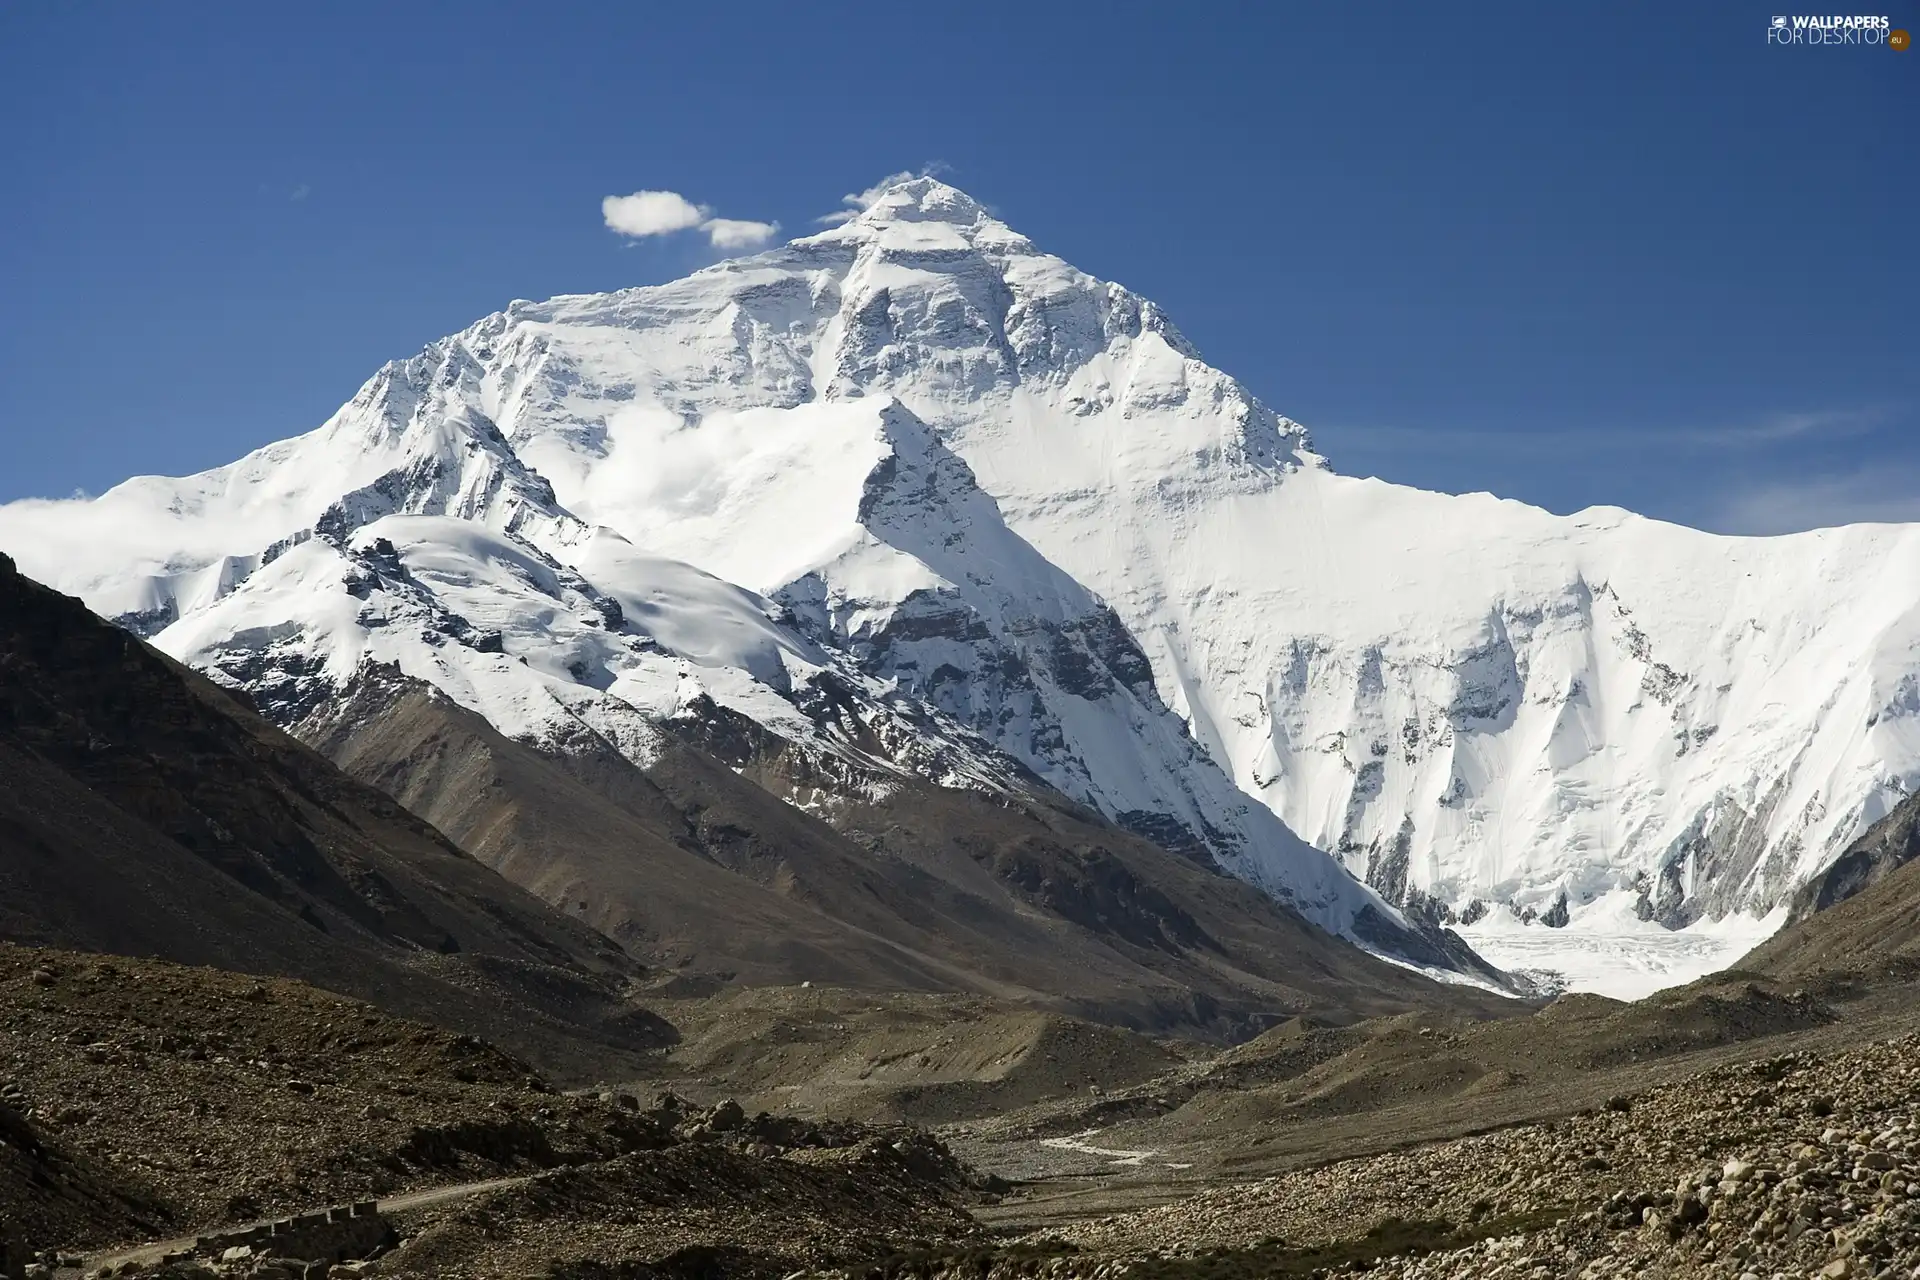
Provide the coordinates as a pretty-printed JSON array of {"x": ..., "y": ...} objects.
[{"x": 924, "y": 500}]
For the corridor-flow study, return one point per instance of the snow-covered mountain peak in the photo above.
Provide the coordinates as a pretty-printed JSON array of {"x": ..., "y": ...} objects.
[
  {"x": 1006, "y": 351},
  {"x": 921, "y": 199},
  {"x": 919, "y": 452}
]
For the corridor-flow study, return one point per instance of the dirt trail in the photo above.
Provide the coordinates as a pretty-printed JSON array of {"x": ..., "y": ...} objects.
[
  {"x": 155, "y": 1250},
  {"x": 1119, "y": 1156}
]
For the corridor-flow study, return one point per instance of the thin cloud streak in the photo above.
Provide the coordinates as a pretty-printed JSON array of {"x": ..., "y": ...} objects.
[
  {"x": 1776, "y": 429},
  {"x": 1876, "y": 496},
  {"x": 1776, "y": 474}
]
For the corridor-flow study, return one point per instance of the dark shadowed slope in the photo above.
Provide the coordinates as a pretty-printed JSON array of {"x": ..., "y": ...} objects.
[
  {"x": 1860, "y": 916},
  {"x": 696, "y": 862},
  {"x": 1881, "y": 850},
  {"x": 143, "y": 811}
]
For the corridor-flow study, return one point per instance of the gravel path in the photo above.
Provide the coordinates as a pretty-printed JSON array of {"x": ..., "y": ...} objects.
[{"x": 154, "y": 1251}]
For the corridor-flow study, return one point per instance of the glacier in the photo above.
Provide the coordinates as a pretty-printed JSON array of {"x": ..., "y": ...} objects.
[{"x": 1009, "y": 511}]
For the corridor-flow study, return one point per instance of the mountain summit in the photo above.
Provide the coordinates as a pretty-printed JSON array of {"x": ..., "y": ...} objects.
[{"x": 929, "y": 502}]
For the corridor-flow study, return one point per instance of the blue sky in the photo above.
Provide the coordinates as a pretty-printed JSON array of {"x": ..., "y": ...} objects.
[{"x": 1572, "y": 254}]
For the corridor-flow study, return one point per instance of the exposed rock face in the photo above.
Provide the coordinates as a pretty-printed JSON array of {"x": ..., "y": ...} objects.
[
  {"x": 331, "y": 1235},
  {"x": 1556, "y": 916},
  {"x": 1887, "y": 846},
  {"x": 1860, "y": 924}
]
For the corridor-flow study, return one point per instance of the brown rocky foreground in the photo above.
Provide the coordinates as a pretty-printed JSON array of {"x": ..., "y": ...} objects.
[
  {"x": 1797, "y": 1164},
  {"x": 147, "y": 1104},
  {"x": 143, "y": 1101}
]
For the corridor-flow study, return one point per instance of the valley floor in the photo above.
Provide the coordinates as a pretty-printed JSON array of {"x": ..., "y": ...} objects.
[{"x": 1728, "y": 1128}]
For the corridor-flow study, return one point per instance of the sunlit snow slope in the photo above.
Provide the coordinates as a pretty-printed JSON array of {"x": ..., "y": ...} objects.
[{"x": 949, "y": 464}]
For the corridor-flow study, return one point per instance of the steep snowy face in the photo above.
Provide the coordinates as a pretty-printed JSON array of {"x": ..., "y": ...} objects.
[
  {"x": 155, "y": 549},
  {"x": 930, "y": 590},
  {"x": 729, "y": 420},
  {"x": 1461, "y": 698},
  {"x": 565, "y": 656},
  {"x": 952, "y": 470},
  {"x": 1469, "y": 698}
]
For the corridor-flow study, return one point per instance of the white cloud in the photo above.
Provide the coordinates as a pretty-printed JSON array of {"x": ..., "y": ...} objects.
[
  {"x": 738, "y": 233},
  {"x": 858, "y": 202},
  {"x": 660, "y": 213},
  {"x": 651, "y": 213}
]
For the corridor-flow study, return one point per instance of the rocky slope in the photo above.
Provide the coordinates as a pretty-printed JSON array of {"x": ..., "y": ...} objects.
[
  {"x": 997, "y": 510},
  {"x": 1738, "y": 1126},
  {"x": 143, "y": 1100},
  {"x": 696, "y": 865},
  {"x": 144, "y": 811},
  {"x": 153, "y": 814},
  {"x": 1859, "y": 923},
  {"x": 202, "y": 1095},
  {"x": 1802, "y": 1163},
  {"x": 1881, "y": 850}
]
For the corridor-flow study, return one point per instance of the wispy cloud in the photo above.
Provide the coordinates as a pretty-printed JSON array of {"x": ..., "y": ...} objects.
[
  {"x": 858, "y": 202},
  {"x": 1775, "y": 473},
  {"x": 1769, "y": 431},
  {"x": 659, "y": 213},
  {"x": 299, "y": 193},
  {"x": 1867, "y": 496}
]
